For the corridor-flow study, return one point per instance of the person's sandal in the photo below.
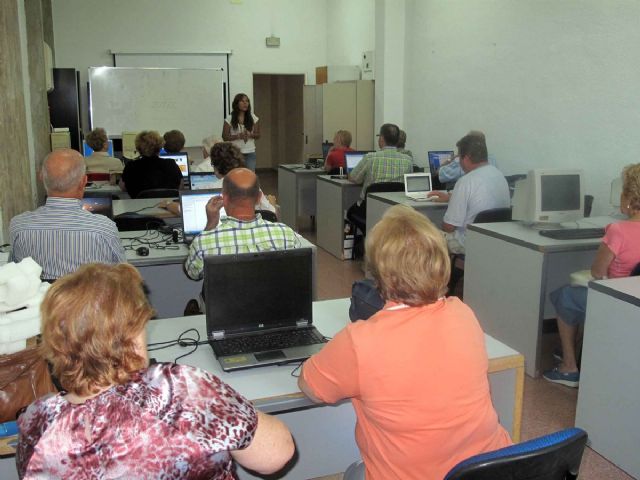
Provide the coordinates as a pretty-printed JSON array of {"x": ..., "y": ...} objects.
[{"x": 570, "y": 379}]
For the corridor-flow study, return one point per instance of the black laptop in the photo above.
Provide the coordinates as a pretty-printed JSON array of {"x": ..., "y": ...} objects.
[{"x": 259, "y": 308}]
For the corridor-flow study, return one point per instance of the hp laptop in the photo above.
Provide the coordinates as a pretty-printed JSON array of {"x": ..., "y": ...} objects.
[
  {"x": 181, "y": 159},
  {"x": 259, "y": 308},
  {"x": 193, "y": 207},
  {"x": 204, "y": 181},
  {"x": 417, "y": 185},
  {"x": 98, "y": 202},
  {"x": 438, "y": 158},
  {"x": 353, "y": 159}
]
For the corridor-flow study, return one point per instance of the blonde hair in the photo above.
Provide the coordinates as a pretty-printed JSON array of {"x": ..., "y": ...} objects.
[
  {"x": 345, "y": 137},
  {"x": 408, "y": 257},
  {"x": 149, "y": 143},
  {"x": 631, "y": 186},
  {"x": 97, "y": 139},
  {"x": 90, "y": 322}
]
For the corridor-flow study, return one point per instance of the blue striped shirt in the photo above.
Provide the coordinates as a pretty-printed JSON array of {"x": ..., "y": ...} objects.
[{"x": 60, "y": 236}]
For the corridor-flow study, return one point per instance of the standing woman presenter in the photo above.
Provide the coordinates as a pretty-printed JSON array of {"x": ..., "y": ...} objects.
[{"x": 242, "y": 129}]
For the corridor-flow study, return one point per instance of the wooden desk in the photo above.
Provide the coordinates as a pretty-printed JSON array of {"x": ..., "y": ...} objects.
[
  {"x": 508, "y": 274},
  {"x": 324, "y": 434},
  {"x": 609, "y": 394},
  {"x": 379, "y": 203},
  {"x": 297, "y": 192},
  {"x": 333, "y": 198}
]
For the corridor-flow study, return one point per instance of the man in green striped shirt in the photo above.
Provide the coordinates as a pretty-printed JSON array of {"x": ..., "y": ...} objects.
[{"x": 241, "y": 231}]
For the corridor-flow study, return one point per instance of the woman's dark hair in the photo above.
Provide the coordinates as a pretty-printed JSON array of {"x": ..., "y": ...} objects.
[
  {"x": 248, "y": 118},
  {"x": 225, "y": 156}
]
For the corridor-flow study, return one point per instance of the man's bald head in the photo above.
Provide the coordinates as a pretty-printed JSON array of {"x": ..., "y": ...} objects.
[
  {"x": 63, "y": 173},
  {"x": 241, "y": 184}
]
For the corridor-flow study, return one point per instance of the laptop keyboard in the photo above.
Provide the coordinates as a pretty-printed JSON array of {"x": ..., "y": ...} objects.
[
  {"x": 267, "y": 341},
  {"x": 573, "y": 233}
]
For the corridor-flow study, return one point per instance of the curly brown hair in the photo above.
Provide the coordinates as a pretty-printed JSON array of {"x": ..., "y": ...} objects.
[
  {"x": 97, "y": 139},
  {"x": 225, "y": 156},
  {"x": 631, "y": 186},
  {"x": 174, "y": 141},
  {"x": 149, "y": 143}
]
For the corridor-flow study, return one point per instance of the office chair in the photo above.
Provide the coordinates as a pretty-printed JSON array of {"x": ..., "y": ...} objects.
[
  {"x": 268, "y": 215},
  {"x": 127, "y": 222},
  {"x": 457, "y": 259},
  {"x": 552, "y": 457},
  {"x": 357, "y": 215},
  {"x": 159, "y": 193}
]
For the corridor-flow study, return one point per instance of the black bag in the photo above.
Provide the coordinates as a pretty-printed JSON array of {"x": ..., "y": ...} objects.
[{"x": 365, "y": 300}]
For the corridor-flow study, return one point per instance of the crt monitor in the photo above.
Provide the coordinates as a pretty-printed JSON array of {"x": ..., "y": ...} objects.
[
  {"x": 87, "y": 151},
  {"x": 549, "y": 196}
]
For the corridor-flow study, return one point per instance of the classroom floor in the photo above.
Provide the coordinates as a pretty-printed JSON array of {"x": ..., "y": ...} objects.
[{"x": 547, "y": 407}]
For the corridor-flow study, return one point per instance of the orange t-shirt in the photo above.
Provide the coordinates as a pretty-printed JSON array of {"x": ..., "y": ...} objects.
[{"x": 417, "y": 378}]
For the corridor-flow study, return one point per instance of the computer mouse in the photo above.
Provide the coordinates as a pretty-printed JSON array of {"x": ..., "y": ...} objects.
[{"x": 142, "y": 251}]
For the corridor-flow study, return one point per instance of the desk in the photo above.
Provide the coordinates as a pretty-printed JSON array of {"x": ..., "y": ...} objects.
[
  {"x": 333, "y": 198},
  {"x": 379, "y": 203},
  {"x": 297, "y": 192},
  {"x": 324, "y": 434},
  {"x": 163, "y": 273},
  {"x": 508, "y": 273},
  {"x": 609, "y": 394}
]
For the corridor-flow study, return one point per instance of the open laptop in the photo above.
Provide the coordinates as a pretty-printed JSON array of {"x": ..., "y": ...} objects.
[
  {"x": 193, "y": 204},
  {"x": 438, "y": 158},
  {"x": 181, "y": 159},
  {"x": 250, "y": 323},
  {"x": 204, "y": 181},
  {"x": 353, "y": 159},
  {"x": 417, "y": 185},
  {"x": 98, "y": 202}
]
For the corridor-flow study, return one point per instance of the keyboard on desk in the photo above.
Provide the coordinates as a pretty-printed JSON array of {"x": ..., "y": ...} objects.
[
  {"x": 573, "y": 233},
  {"x": 263, "y": 342}
]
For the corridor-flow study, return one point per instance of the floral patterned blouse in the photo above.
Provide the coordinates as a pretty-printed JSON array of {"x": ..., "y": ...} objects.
[{"x": 168, "y": 422}]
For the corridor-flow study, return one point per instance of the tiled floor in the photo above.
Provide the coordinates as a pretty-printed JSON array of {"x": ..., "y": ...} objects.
[{"x": 547, "y": 407}]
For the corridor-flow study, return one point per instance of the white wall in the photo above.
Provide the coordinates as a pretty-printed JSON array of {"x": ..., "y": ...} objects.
[
  {"x": 552, "y": 84},
  {"x": 85, "y": 31},
  {"x": 350, "y": 30}
]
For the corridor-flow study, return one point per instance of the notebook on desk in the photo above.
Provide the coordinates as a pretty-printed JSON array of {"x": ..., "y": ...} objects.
[
  {"x": 259, "y": 308},
  {"x": 417, "y": 185},
  {"x": 193, "y": 208},
  {"x": 98, "y": 202}
]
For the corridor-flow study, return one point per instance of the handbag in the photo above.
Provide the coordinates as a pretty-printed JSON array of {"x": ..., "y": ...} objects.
[
  {"x": 24, "y": 377},
  {"x": 365, "y": 300}
]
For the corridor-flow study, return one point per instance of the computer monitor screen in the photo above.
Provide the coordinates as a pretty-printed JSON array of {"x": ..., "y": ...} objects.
[
  {"x": 87, "y": 151},
  {"x": 181, "y": 159},
  {"x": 438, "y": 158},
  {"x": 326, "y": 146},
  {"x": 193, "y": 206},
  {"x": 559, "y": 192},
  {"x": 353, "y": 159},
  {"x": 204, "y": 181},
  {"x": 98, "y": 203},
  {"x": 417, "y": 182}
]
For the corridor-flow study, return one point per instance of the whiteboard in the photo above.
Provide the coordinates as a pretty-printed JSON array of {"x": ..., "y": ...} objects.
[{"x": 132, "y": 99}]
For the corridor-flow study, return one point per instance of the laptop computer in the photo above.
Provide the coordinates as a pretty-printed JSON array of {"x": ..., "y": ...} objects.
[
  {"x": 438, "y": 158},
  {"x": 417, "y": 185},
  {"x": 98, "y": 202},
  {"x": 181, "y": 159},
  {"x": 250, "y": 323},
  {"x": 204, "y": 181},
  {"x": 193, "y": 204},
  {"x": 353, "y": 159}
]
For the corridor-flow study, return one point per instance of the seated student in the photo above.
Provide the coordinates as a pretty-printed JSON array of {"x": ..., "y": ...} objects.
[
  {"x": 618, "y": 254},
  {"x": 100, "y": 161},
  {"x": 483, "y": 187},
  {"x": 450, "y": 172},
  {"x": 335, "y": 158},
  {"x": 241, "y": 230},
  {"x": 204, "y": 165},
  {"x": 402, "y": 141},
  {"x": 150, "y": 171},
  {"x": 416, "y": 371},
  {"x": 118, "y": 417},
  {"x": 173, "y": 141}
]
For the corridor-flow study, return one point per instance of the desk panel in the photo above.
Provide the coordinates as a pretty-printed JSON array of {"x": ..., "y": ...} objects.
[
  {"x": 297, "y": 193},
  {"x": 379, "y": 203},
  {"x": 334, "y": 197}
]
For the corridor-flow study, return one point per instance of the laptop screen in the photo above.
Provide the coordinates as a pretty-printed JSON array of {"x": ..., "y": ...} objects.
[
  {"x": 417, "y": 183},
  {"x": 438, "y": 158},
  {"x": 181, "y": 159},
  {"x": 204, "y": 181},
  {"x": 87, "y": 151},
  {"x": 353, "y": 159},
  {"x": 255, "y": 291},
  {"x": 96, "y": 203},
  {"x": 193, "y": 207}
]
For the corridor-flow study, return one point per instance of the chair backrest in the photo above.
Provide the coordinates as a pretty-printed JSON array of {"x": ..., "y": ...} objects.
[
  {"x": 494, "y": 215},
  {"x": 268, "y": 215},
  {"x": 636, "y": 271},
  {"x": 551, "y": 457},
  {"x": 159, "y": 193},
  {"x": 383, "y": 187}
]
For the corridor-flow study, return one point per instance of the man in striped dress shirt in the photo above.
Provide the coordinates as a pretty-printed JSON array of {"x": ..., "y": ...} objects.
[
  {"x": 60, "y": 236},
  {"x": 241, "y": 231}
]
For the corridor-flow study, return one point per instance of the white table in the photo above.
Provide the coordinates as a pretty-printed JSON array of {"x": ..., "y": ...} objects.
[
  {"x": 333, "y": 198},
  {"x": 508, "y": 273},
  {"x": 379, "y": 203},
  {"x": 297, "y": 192},
  {"x": 163, "y": 271},
  {"x": 324, "y": 434},
  {"x": 609, "y": 394}
]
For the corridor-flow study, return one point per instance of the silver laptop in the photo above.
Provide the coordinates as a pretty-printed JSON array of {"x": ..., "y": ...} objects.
[
  {"x": 250, "y": 322},
  {"x": 417, "y": 185},
  {"x": 181, "y": 159},
  {"x": 193, "y": 206},
  {"x": 352, "y": 159},
  {"x": 204, "y": 181}
]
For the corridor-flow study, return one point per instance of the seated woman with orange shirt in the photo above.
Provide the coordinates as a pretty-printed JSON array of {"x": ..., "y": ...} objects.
[
  {"x": 416, "y": 371},
  {"x": 335, "y": 158}
]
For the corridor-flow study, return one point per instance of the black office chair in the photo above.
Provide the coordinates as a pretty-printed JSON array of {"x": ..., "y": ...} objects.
[
  {"x": 457, "y": 259},
  {"x": 127, "y": 222},
  {"x": 636, "y": 271},
  {"x": 159, "y": 193},
  {"x": 268, "y": 215},
  {"x": 551, "y": 457}
]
